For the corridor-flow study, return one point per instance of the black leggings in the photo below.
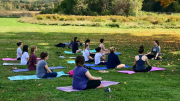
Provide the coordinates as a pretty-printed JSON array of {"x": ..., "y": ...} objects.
[
  {"x": 18, "y": 58},
  {"x": 152, "y": 56},
  {"x": 92, "y": 55},
  {"x": 90, "y": 60},
  {"x": 145, "y": 70},
  {"x": 92, "y": 84}
]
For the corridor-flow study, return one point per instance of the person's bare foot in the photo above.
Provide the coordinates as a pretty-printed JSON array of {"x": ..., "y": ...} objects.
[{"x": 101, "y": 85}]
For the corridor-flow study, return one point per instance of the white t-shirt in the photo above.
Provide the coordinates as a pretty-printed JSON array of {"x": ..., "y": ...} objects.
[
  {"x": 19, "y": 51},
  {"x": 24, "y": 58},
  {"x": 98, "y": 58},
  {"x": 86, "y": 54}
]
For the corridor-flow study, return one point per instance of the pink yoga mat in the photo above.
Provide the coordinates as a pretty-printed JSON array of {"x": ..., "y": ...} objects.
[
  {"x": 132, "y": 72},
  {"x": 105, "y": 84},
  {"x": 13, "y": 59}
]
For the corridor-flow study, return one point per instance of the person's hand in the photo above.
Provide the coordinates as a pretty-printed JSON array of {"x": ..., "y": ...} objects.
[
  {"x": 155, "y": 58},
  {"x": 100, "y": 78}
]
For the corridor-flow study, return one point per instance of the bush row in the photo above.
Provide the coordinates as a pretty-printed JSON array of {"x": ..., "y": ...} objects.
[{"x": 121, "y": 19}]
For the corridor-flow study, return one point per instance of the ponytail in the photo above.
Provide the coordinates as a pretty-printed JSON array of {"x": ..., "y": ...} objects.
[
  {"x": 85, "y": 46},
  {"x": 32, "y": 50},
  {"x": 141, "y": 49}
]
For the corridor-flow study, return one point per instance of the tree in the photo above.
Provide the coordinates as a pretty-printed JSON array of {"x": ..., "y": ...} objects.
[{"x": 166, "y": 3}]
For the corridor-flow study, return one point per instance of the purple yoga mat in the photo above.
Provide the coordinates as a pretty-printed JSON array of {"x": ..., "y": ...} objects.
[
  {"x": 105, "y": 84},
  {"x": 13, "y": 59},
  {"x": 132, "y": 72}
]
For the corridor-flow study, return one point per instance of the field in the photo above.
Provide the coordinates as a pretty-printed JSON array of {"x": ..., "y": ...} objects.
[{"x": 151, "y": 86}]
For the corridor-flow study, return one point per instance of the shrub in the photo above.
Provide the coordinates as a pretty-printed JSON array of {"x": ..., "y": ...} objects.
[
  {"x": 71, "y": 19},
  {"x": 173, "y": 19},
  {"x": 94, "y": 14},
  {"x": 113, "y": 25},
  {"x": 156, "y": 21},
  {"x": 99, "y": 20},
  {"x": 40, "y": 17},
  {"x": 62, "y": 18},
  {"x": 81, "y": 18}
]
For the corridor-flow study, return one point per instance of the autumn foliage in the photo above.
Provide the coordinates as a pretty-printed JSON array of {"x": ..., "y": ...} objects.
[{"x": 166, "y": 3}]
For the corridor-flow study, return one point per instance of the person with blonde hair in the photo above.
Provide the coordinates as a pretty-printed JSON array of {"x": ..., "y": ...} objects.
[
  {"x": 113, "y": 60},
  {"x": 32, "y": 58}
]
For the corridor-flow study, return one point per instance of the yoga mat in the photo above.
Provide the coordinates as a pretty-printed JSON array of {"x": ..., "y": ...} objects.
[
  {"x": 13, "y": 59},
  {"x": 92, "y": 51},
  {"x": 70, "y": 88},
  {"x": 102, "y": 68},
  {"x": 132, "y": 72},
  {"x": 70, "y": 52},
  {"x": 11, "y": 64},
  {"x": 72, "y": 57},
  {"x": 90, "y": 65},
  {"x": 25, "y": 70},
  {"x": 71, "y": 62},
  {"x": 28, "y": 77},
  {"x": 117, "y": 53}
]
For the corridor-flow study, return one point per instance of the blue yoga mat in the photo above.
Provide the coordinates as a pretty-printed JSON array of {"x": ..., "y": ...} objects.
[
  {"x": 102, "y": 68},
  {"x": 117, "y": 53},
  {"x": 71, "y": 62},
  {"x": 90, "y": 65},
  {"x": 23, "y": 77},
  {"x": 70, "y": 52},
  {"x": 25, "y": 70}
]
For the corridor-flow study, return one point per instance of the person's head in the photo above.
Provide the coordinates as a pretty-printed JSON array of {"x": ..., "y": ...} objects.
[
  {"x": 19, "y": 44},
  {"x": 101, "y": 40},
  {"x": 86, "y": 46},
  {"x": 87, "y": 41},
  {"x": 25, "y": 48},
  {"x": 75, "y": 39},
  {"x": 156, "y": 43},
  {"x": 112, "y": 49},
  {"x": 79, "y": 61},
  {"x": 44, "y": 56},
  {"x": 141, "y": 49},
  {"x": 33, "y": 50},
  {"x": 98, "y": 49}
]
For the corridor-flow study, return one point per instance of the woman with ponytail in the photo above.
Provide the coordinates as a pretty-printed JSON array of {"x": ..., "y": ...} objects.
[
  {"x": 75, "y": 46},
  {"x": 25, "y": 55},
  {"x": 32, "y": 59},
  {"x": 19, "y": 51},
  {"x": 156, "y": 51},
  {"x": 139, "y": 65}
]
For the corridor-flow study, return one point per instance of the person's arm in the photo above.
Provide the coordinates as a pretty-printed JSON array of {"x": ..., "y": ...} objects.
[
  {"x": 47, "y": 68},
  {"x": 149, "y": 52},
  {"x": 35, "y": 60},
  {"x": 135, "y": 62},
  {"x": 20, "y": 54},
  {"x": 117, "y": 60},
  {"x": 28, "y": 59},
  {"x": 104, "y": 58},
  {"x": 90, "y": 77},
  {"x": 147, "y": 62},
  {"x": 89, "y": 57},
  {"x": 157, "y": 54}
]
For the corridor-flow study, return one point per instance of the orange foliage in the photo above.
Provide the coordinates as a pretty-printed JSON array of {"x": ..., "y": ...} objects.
[{"x": 166, "y": 3}]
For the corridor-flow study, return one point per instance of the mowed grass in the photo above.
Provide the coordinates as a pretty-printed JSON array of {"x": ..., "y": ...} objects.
[{"x": 158, "y": 85}]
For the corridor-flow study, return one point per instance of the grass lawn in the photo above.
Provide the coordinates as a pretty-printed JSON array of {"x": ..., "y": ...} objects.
[{"x": 158, "y": 85}]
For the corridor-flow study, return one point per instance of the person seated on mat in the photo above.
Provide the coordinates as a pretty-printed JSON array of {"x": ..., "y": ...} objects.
[
  {"x": 113, "y": 60},
  {"x": 86, "y": 54},
  {"x": 25, "y": 55},
  {"x": 32, "y": 59},
  {"x": 91, "y": 54},
  {"x": 19, "y": 51},
  {"x": 42, "y": 69},
  {"x": 139, "y": 65},
  {"x": 103, "y": 50},
  {"x": 82, "y": 79},
  {"x": 75, "y": 46},
  {"x": 98, "y": 57},
  {"x": 156, "y": 51}
]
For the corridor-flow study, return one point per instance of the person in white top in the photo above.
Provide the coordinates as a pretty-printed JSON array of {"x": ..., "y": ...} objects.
[
  {"x": 103, "y": 50},
  {"x": 86, "y": 54},
  {"x": 98, "y": 57},
  {"x": 19, "y": 51},
  {"x": 25, "y": 55}
]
